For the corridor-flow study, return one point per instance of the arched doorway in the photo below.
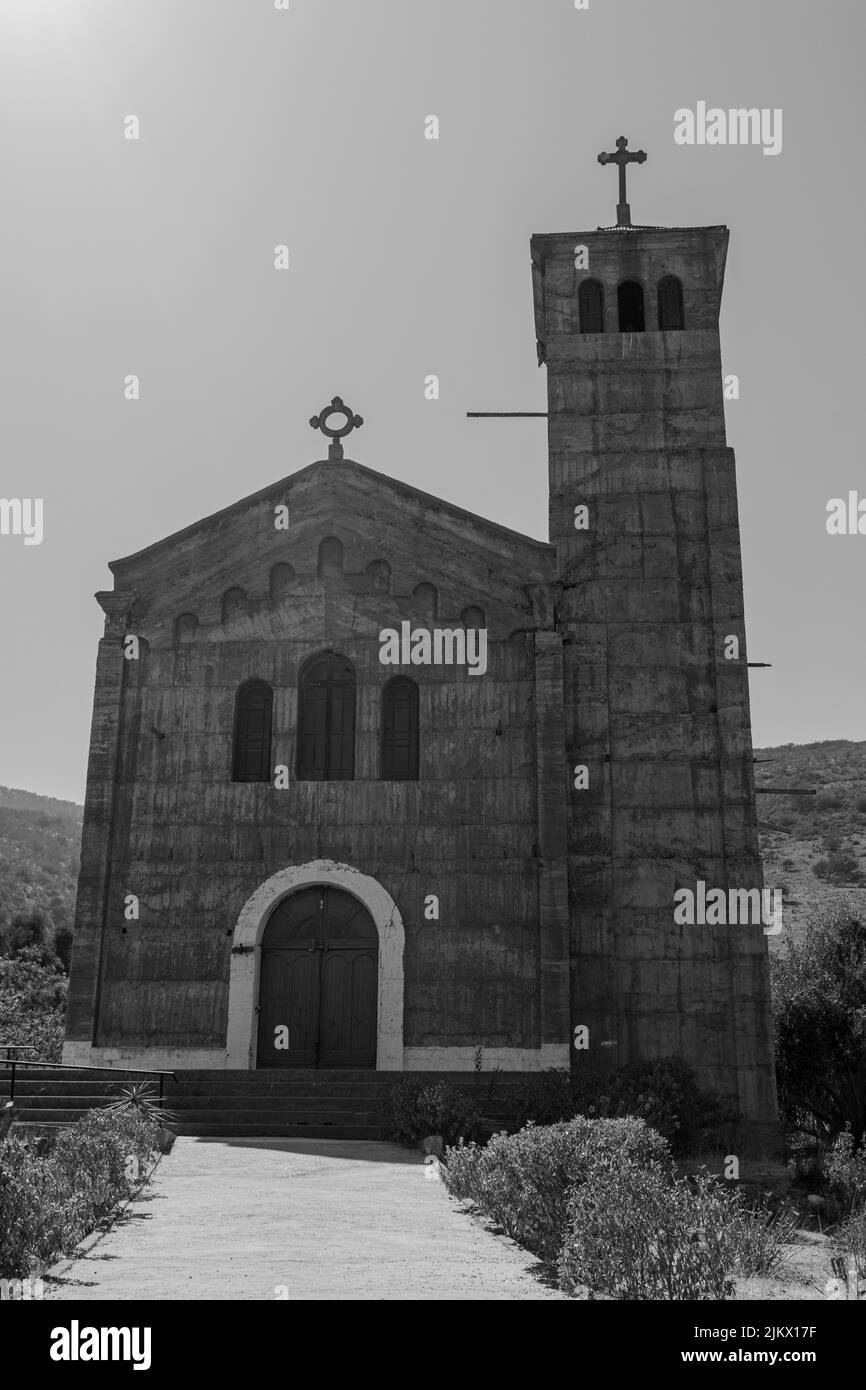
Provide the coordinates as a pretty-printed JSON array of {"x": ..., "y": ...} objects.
[{"x": 318, "y": 981}]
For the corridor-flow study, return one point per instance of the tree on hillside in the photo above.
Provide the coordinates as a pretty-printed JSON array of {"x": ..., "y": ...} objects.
[
  {"x": 33, "y": 1003},
  {"x": 28, "y": 930},
  {"x": 819, "y": 998}
]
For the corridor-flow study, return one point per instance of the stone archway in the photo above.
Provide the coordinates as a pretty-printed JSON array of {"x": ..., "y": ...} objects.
[{"x": 241, "y": 1037}]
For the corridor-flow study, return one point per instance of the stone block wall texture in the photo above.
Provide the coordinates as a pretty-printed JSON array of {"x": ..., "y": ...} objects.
[
  {"x": 165, "y": 822},
  {"x": 649, "y": 593}
]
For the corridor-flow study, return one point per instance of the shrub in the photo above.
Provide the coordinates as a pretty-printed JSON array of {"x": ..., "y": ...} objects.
[
  {"x": 761, "y": 1234},
  {"x": 50, "y": 1200},
  {"x": 819, "y": 998},
  {"x": 636, "y": 1234},
  {"x": 543, "y": 1099},
  {"x": 807, "y": 1159},
  {"x": 33, "y": 1003},
  {"x": 840, "y": 867},
  {"x": 420, "y": 1108},
  {"x": 523, "y": 1181},
  {"x": 851, "y": 1238},
  {"x": 664, "y": 1092},
  {"x": 845, "y": 1173}
]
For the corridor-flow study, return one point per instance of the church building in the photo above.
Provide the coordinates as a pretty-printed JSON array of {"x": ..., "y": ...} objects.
[{"x": 375, "y": 782}]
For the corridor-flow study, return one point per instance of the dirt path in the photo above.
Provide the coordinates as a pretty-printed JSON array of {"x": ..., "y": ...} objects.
[{"x": 303, "y": 1219}]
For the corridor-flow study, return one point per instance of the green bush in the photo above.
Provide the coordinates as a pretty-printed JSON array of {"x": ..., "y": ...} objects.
[
  {"x": 819, "y": 999},
  {"x": 420, "y": 1108},
  {"x": 523, "y": 1181},
  {"x": 50, "y": 1200},
  {"x": 635, "y": 1234}
]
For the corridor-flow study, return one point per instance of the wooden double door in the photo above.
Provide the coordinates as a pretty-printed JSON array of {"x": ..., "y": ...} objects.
[{"x": 318, "y": 982}]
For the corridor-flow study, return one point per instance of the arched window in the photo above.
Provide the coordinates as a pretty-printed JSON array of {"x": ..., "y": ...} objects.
[
  {"x": 590, "y": 301},
  {"x": 251, "y": 760},
  {"x": 670, "y": 297},
  {"x": 427, "y": 600},
  {"x": 282, "y": 579},
  {"x": 330, "y": 558},
  {"x": 326, "y": 720},
  {"x": 400, "y": 730},
  {"x": 379, "y": 575},
  {"x": 234, "y": 602},
  {"x": 631, "y": 310},
  {"x": 472, "y": 617},
  {"x": 185, "y": 627}
]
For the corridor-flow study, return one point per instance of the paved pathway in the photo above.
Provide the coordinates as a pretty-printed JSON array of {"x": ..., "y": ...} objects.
[{"x": 296, "y": 1218}]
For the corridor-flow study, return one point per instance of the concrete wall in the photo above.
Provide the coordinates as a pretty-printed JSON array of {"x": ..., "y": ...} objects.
[
  {"x": 650, "y": 591},
  {"x": 193, "y": 846}
]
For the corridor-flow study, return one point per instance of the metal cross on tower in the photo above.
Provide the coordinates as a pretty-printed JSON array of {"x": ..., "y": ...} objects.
[{"x": 622, "y": 158}]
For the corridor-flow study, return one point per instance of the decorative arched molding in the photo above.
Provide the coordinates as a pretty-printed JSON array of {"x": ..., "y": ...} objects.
[{"x": 242, "y": 1036}]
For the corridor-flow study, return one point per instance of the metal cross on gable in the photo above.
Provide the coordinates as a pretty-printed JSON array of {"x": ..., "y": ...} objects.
[
  {"x": 351, "y": 422},
  {"x": 622, "y": 158}
]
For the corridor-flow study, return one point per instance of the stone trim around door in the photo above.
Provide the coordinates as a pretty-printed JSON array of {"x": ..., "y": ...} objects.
[{"x": 242, "y": 1035}]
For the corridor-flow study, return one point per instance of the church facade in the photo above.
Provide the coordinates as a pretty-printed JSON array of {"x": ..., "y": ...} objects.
[{"x": 376, "y": 783}]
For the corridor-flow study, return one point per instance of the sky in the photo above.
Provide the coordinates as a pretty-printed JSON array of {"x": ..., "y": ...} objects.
[{"x": 305, "y": 127}]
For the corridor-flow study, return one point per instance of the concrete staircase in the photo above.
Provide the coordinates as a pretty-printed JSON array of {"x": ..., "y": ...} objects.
[
  {"x": 290, "y": 1104},
  {"x": 295, "y": 1104}
]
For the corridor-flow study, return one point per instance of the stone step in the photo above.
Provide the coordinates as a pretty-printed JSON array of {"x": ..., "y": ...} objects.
[
  {"x": 231, "y": 1129},
  {"x": 191, "y": 1120},
  {"x": 285, "y": 1081},
  {"x": 32, "y": 1082},
  {"x": 182, "y": 1105},
  {"x": 290, "y": 1085},
  {"x": 350, "y": 1114},
  {"x": 61, "y": 1098},
  {"x": 53, "y": 1115},
  {"x": 284, "y": 1102}
]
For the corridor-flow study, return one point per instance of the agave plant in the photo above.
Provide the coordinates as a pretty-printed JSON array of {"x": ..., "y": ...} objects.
[{"x": 141, "y": 1096}]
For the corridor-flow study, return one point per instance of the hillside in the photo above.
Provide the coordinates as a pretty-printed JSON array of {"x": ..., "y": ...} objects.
[
  {"x": 40, "y": 839},
  {"x": 814, "y": 847}
]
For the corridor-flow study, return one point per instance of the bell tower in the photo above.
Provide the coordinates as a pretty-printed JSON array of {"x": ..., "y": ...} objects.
[{"x": 658, "y": 750}]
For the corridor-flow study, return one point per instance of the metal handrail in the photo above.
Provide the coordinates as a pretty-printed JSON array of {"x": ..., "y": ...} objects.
[{"x": 70, "y": 1066}]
